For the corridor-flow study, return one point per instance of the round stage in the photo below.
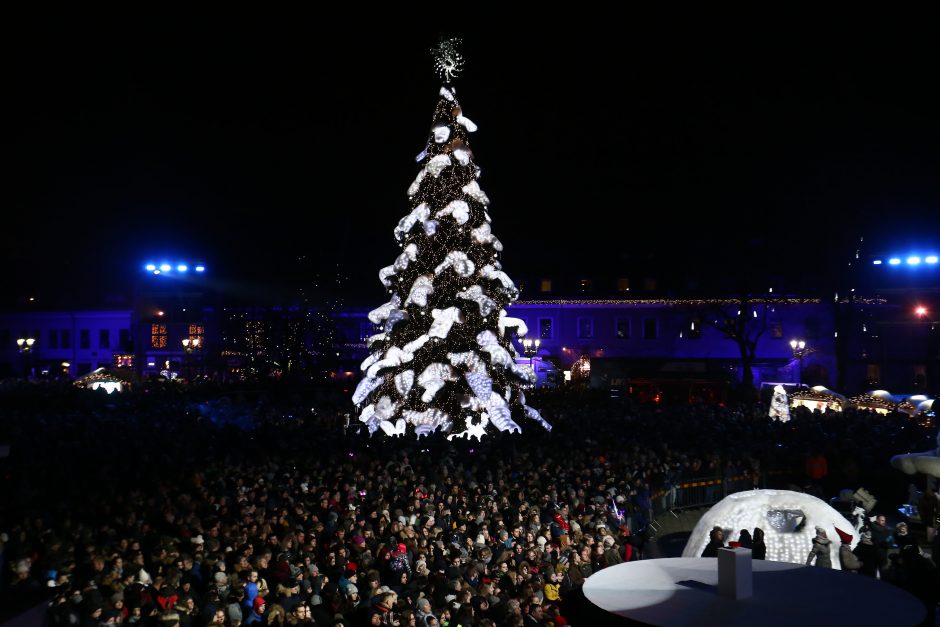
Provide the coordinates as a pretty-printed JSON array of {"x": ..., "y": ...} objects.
[{"x": 684, "y": 591}]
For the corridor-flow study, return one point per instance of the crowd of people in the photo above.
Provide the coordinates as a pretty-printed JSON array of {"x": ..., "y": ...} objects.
[{"x": 148, "y": 508}]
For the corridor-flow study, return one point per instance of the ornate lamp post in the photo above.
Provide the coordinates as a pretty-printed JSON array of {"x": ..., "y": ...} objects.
[
  {"x": 190, "y": 345},
  {"x": 25, "y": 346},
  {"x": 800, "y": 349},
  {"x": 530, "y": 348}
]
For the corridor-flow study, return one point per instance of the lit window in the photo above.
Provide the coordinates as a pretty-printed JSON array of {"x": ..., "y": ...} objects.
[
  {"x": 546, "y": 285},
  {"x": 623, "y": 329},
  {"x": 585, "y": 285},
  {"x": 197, "y": 335},
  {"x": 623, "y": 285},
  {"x": 158, "y": 336}
]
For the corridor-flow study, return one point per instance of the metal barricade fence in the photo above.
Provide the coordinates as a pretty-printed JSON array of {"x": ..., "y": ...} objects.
[{"x": 700, "y": 492}]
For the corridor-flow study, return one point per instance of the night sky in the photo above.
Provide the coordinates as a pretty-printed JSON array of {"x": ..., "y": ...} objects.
[{"x": 695, "y": 143}]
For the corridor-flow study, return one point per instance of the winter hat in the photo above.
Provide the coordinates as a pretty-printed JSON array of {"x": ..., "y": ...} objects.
[
  {"x": 144, "y": 577},
  {"x": 316, "y": 599},
  {"x": 220, "y": 577},
  {"x": 351, "y": 589},
  {"x": 844, "y": 537},
  {"x": 258, "y": 602},
  {"x": 402, "y": 548},
  {"x": 820, "y": 532},
  {"x": 541, "y": 542},
  {"x": 234, "y": 612},
  {"x": 608, "y": 541},
  {"x": 197, "y": 539}
]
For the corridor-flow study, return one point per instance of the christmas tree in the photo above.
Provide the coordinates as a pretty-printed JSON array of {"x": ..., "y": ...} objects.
[{"x": 444, "y": 359}]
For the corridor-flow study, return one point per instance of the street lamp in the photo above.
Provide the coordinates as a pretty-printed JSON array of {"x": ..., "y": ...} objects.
[
  {"x": 190, "y": 344},
  {"x": 530, "y": 348},
  {"x": 799, "y": 350},
  {"x": 25, "y": 346}
]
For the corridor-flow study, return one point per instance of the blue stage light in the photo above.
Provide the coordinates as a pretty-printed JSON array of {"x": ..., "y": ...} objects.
[
  {"x": 894, "y": 261},
  {"x": 182, "y": 267},
  {"x": 165, "y": 267},
  {"x": 913, "y": 260},
  {"x": 200, "y": 268},
  {"x": 150, "y": 267},
  {"x": 877, "y": 262},
  {"x": 931, "y": 259}
]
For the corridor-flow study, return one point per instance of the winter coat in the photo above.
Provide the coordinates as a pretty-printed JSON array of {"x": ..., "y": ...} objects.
[
  {"x": 820, "y": 552},
  {"x": 848, "y": 560},
  {"x": 759, "y": 550}
]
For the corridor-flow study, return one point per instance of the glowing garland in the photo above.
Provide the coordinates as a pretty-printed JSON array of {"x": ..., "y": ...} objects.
[
  {"x": 698, "y": 302},
  {"x": 444, "y": 358}
]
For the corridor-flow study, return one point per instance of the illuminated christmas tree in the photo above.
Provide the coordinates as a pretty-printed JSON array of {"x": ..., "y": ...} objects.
[{"x": 444, "y": 359}]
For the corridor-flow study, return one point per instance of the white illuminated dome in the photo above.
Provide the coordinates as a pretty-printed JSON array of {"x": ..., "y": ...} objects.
[{"x": 789, "y": 520}]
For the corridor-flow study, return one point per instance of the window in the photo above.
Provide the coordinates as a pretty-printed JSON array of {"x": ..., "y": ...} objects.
[
  {"x": 123, "y": 361},
  {"x": 124, "y": 339},
  {"x": 84, "y": 339},
  {"x": 585, "y": 327},
  {"x": 104, "y": 338},
  {"x": 776, "y": 330},
  {"x": 197, "y": 334},
  {"x": 649, "y": 284},
  {"x": 5, "y": 339},
  {"x": 874, "y": 373},
  {"x": 158, "y": 336},
  {"x": 695, "y": 329},
  {"x": 585, "y": 285},
  {"x": 53, "y": 338},
  {"x": 545, "y": 328},
  {"x": 546, "y": 285},
  {"x": 623, "y": 285},
  {"x": 65, "y": 337},
  {"x": 623, "y": 329},
  {"x": 650, "y": 329}
]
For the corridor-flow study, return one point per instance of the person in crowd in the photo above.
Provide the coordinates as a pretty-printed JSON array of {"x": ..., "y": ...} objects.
[
  {"x": 758, "y": 548},
  {"x": 820, "y": 553}
]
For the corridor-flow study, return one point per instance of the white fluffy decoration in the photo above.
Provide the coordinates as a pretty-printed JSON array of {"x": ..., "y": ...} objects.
[
  {"x": 533, "y": 414},
  {"x": 459, "y": 209},
  {"x": 421, "y": 156},
  {"x": 458, "y": 261},
  {"x": 386, "y": 274},
  {"x": 394, "y": 317},
  {"x": 385, "y": 409},
  {"x": 469, "y": 360},
  {"x": 393, "y": 357},
  {"x": 368, "y": 416},
  {"x": 371, "y": 359},
  {"x": 378, "y": 337},
  {"x": 393, "y": 429},
  {"x": 416, "y": 184},
  {"x": 499, "y": 356},
  {"x": 380, "y": 314},
  {"x": 483, "y": 235},
  {"x": 441, "y": 133},
  {"x": 420, "y": 289},
  {"x": 437, "y": 165},
  {"x": 487, "y": 338},
  {"x": 412, "y": 347},
  {"x": 430, "y": 227},
  {"x": 447, "y": 94},
  {"x": 404, "y": 381},
  {"x": 474, "y": 430},
  {"x": 462, "y": 155},
  {"x": 407, "y": 256},
  {"x": 444, "y": 319},
  {"x": 774, "y": 511},
  {"x": 475, "y": 293},
  {"x": 434, "y": 378},
  {"x": 472, "y": 189},
  {"x": 466, "y": 123},
  {"x": 523, "y": 372},
  {"x": 500, "y": 415},
  {"x": 508, "y": 322},
  {"x": 432, "y": 418},
  {"x": 418, "y": 214},
  {"x": 480, "y": 383},
  {"x": 365, "y": 387},
  {"x": 489, "y": 272},
  {"x": 486, "y": 216}
]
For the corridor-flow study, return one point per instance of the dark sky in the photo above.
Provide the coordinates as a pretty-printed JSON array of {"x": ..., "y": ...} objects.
[{"x": 249, "y": 142}]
